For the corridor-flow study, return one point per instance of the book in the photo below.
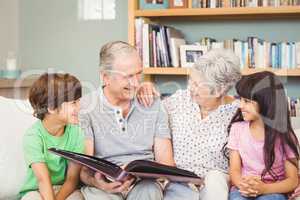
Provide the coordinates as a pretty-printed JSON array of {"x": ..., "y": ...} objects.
[
  {"x": 175, "y": 44},
  {"x": 146, "y": 46},
  {"x": 143, "y": 169},
  {"x": 297, "y": 54},
  {"x": 175, "y": 39},
  {"x": 139, "y": 36}
]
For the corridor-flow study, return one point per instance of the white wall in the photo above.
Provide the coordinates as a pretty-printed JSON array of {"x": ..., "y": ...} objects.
[
  {"x": 51, "y": 36},
  {"x": 9, "y": 28}
]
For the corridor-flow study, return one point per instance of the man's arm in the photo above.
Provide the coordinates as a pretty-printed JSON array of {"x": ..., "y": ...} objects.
[
  {"x": 41, "y": 172},
  {"x": 163, "y": 151}
]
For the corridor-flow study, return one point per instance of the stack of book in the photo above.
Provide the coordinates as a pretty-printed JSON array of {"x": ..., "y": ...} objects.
[
  {"x": 208, "y": 3},
  {"x": 243, "y": 3},
  {"x": 258, "y": 53},
  {"x": 158, "y": 45},
  {"x": 263, "y": 3}
]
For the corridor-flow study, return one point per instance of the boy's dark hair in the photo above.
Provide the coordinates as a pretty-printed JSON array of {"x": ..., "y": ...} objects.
[{"x": 51, "y": 90}]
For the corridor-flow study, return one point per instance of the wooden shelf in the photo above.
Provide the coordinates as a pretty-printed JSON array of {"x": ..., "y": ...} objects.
[
  {"x": 185, "y": 71},
  {"x": 16, "y": 83},
  {"x": 165, "y": 71},
  {"x": 278, "y": 72},
  {"x": 283, "y": 11}
]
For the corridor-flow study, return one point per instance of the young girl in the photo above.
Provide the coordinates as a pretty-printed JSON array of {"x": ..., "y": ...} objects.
[
  {"x": 264, "y": 150},
  {"x": 55, "y": 101}
]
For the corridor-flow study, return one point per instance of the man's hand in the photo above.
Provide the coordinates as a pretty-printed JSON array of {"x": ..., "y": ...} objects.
[{"x": 112, "y": 187}]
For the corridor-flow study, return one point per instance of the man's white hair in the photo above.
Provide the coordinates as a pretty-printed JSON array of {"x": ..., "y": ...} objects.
[{"x": 112, "y": 50}]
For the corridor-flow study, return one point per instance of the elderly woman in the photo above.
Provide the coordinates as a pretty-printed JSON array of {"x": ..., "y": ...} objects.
[{"x": 199, "y": 118}]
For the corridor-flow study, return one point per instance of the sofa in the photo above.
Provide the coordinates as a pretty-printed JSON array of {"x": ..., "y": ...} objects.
[{"x": 16, "y": 117}]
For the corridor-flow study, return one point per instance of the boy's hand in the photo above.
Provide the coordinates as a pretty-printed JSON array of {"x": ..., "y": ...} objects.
[{"x": 112, "y": 187}]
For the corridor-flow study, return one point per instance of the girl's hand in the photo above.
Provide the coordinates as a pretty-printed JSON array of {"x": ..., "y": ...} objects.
[
  {"x": 258, "y": 185},
  {"x": 147, "y": 93},
  {"x": 243, "y": 184},
  {"x": 246, "y": 186}
]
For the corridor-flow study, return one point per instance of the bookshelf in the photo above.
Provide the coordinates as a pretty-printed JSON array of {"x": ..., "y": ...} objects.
[
  {"x": 236, "y": 13},
  {"x": 185, "y": 71},
  {"x": 220, "y": 13}
]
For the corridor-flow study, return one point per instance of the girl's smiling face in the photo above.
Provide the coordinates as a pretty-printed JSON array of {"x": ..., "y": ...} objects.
[{"x": 249, "y": 109}]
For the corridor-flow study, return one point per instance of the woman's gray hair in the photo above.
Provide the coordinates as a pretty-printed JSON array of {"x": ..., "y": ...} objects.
[
  {"x": 220, "y": 67},
  {"x": 110, "y": 51}
]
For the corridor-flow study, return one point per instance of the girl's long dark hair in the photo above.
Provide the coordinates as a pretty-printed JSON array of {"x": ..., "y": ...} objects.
[{"x": 266, "y": 89}]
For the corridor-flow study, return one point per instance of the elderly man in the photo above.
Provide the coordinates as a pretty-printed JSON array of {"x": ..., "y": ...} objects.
[{"x": 119, "y": 130}]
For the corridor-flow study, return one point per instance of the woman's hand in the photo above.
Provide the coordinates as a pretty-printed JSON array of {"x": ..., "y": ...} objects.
[{"x": 147, "y": 93}]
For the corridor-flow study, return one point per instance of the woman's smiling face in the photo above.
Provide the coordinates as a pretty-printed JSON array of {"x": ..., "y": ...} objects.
[{"x": 202, "y": 91}]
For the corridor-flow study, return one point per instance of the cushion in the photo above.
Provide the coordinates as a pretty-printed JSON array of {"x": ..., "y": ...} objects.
[
  {"x": 296, "y": 122},
  {"x": 16, "y": 117}
]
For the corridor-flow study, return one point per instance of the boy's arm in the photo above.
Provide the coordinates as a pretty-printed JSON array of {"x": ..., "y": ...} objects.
[
  {"x": 86, "y": 176},
  {"x": 163, "y": 151},
  {"x": 41, "y": 172},
  {"x": 71, "y": 181}
]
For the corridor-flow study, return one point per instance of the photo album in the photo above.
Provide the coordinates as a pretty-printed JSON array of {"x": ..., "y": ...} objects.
[{"x": 143, "y": 169}]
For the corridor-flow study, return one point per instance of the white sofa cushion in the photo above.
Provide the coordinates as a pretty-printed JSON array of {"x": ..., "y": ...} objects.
[
  {"x": 16, "y": 117},
  {"x": 296, "y": 126},
  {"x": 296, "y": 122}
]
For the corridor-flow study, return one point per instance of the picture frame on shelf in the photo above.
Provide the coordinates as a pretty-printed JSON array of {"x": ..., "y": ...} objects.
[
  {"x": 153, "y": 4},
  {"x": 197, "y": 4},
  {"x": 189, "y": 54},
  {"x": 178, "y": 3}
]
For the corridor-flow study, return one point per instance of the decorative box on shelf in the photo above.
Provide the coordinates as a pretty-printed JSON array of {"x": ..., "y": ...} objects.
[
  {"x": 156, "y": 4},
  {"x": 10, "y": 74}
]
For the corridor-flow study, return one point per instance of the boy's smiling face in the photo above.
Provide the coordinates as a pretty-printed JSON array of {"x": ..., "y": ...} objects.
[{"x": 68, "y": 112}]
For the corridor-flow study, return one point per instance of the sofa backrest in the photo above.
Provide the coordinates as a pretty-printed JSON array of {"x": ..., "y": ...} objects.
[{"x": 15, "y": 118}]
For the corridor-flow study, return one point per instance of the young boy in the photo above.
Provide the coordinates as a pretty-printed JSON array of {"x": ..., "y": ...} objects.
[{"x": 55, "y": 101}]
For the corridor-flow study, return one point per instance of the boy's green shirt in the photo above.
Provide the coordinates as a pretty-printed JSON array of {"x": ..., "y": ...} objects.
[{"x": 36, "y": 143}]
